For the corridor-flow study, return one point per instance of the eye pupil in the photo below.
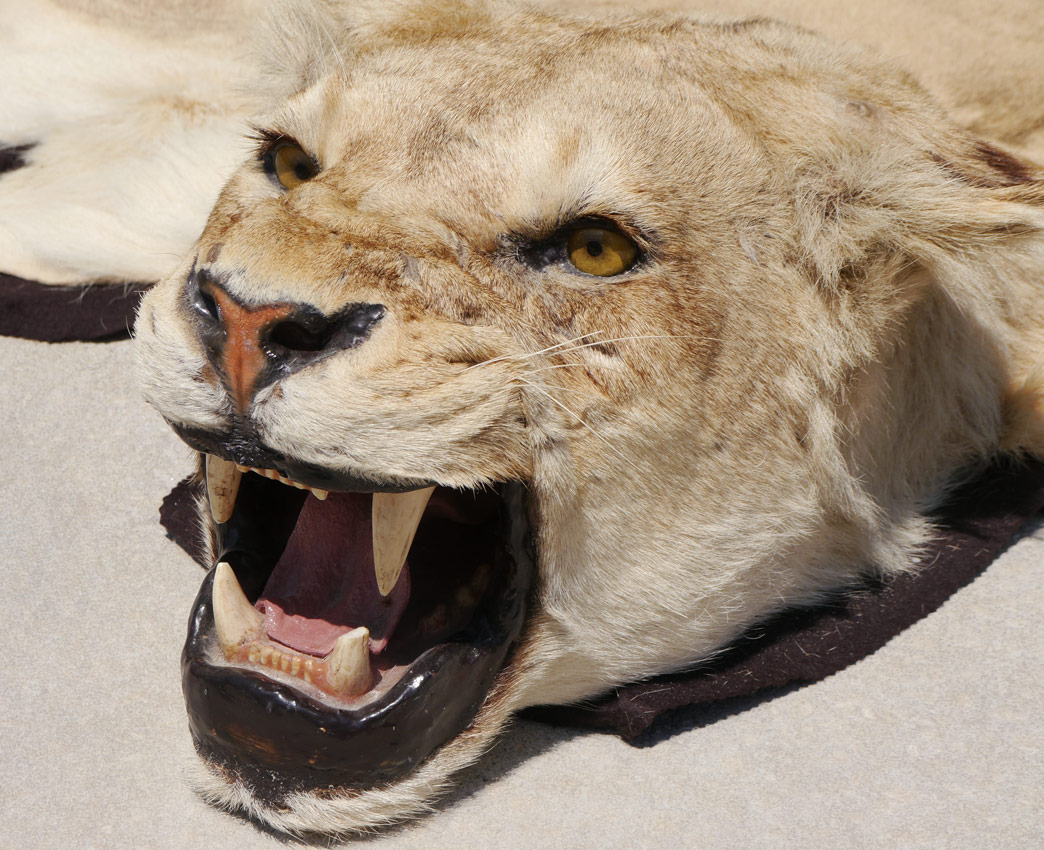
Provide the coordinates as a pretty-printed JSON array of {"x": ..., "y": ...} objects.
[
  {"x": 601, "y": 251},
  {"x": 290, "y": 165}
]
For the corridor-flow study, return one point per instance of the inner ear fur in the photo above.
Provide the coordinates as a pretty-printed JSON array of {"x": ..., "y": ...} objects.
[
  {"x": 888, "y": 231},
  {"x": 855, "y": 203}
]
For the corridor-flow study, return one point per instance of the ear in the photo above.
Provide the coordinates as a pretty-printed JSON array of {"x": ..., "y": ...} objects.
[
  {"x": 1016, "y": 203},
  {"x": 990, "y": 250},
  {"x": 939, "y": 202},
  {"x": 979, "y": 231},
  {"x": 987, "y": 166},
  {"x": 930, "y": 212},
  {"x": 978, "y": 225},
  {"x": 995, "y": 199}
]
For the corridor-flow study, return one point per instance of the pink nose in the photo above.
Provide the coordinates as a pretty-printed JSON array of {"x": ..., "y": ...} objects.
[
  {"x": 250, "y": 346},
  {"x": 243, "y": 356}
]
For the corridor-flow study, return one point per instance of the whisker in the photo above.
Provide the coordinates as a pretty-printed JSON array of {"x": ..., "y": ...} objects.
[
  {"x": 533, "y": 353},
  {"x": 601, "y": 367},
  {"x": 577, "y": 417},
  {"x": 335, "y": 47},
  {"x": 568, "y": 342},
  {"x": 644, "y": 336}
]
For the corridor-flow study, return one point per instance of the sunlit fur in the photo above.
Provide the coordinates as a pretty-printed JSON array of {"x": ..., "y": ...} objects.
[{"x": 839, "y": 313}]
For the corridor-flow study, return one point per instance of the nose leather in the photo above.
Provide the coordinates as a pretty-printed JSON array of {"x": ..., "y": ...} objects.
[
  {"x": 242, "y": 357},
  {"x": 252, "y": 345}
]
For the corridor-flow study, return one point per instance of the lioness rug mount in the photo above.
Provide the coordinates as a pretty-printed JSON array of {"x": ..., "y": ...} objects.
[{"x": 708, "y": 380}]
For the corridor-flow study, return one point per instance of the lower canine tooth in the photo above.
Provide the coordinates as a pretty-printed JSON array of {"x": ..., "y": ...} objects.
[
  {"x": 395, "y": 520},
  {"x": 348, "y": 664},
  {"x": 235, "y": 619},
  {"x": 222, "y": 486}
]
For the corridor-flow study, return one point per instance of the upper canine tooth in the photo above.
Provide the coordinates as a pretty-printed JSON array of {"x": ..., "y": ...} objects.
[
  {"x": 222, "y": 486},
  {"x": 235, "y": 619},
  {"x": 348, "y": 664},
  {"x": 395, "y": 520},
  {"x": 319, "y": 493}
]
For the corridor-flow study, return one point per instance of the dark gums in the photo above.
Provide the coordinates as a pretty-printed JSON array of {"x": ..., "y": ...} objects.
[{"x": 279, "y": 741}]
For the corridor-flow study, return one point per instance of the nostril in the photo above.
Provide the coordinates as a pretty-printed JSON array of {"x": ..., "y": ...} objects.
[
  {"x": 307, "y": 331},
  {"x": 209, "y": 305},
  {"x": 360, "y": 318},
  {"x": 296, "y": 337},
  {"x": 199, "y": 291}
]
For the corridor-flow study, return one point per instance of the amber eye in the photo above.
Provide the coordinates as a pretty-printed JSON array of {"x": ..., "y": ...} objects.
[
  {"x": 599, "y": 251},
  {"x": 291, "y": 165}
]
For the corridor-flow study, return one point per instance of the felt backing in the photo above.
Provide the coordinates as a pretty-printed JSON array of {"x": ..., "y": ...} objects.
[
  {"x": 90, "y": 313},
  {"x": 95, "y": 313},
  {"x": 977, "y": 523}
]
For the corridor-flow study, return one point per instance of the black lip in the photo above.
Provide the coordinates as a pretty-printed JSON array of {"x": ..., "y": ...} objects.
[
  {"x": 243, "y": 445},
  {"x": 278, "y": 740}
]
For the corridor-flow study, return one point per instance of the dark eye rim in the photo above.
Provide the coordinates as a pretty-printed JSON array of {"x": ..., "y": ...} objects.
[
  {"x": 542, "y": 252},
  {"x": 269, "y": 144}
]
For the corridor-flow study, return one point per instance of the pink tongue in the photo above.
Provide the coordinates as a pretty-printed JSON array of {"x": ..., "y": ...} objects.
[{"x": 324, "y": 584}]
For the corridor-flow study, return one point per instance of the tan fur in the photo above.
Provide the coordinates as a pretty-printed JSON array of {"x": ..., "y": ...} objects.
[
  {"x": 841, "y": 314},
  {"x": 137, "y": 110}
]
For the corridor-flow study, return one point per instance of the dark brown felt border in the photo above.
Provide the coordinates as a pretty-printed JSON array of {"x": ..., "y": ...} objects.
[
  {"x": 975, "y": 526},
  {"x": 95, "y": 313}
]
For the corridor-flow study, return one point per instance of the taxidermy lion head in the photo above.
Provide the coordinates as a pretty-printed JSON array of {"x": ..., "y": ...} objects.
[{"x": 533, "y": 354}]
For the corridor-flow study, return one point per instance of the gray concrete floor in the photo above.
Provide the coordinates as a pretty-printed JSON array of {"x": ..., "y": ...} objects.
[{"x": 933, "y": 742}]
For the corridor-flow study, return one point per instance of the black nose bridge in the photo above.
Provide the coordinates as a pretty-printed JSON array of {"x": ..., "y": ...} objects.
[{"x": 252, "y": 345}]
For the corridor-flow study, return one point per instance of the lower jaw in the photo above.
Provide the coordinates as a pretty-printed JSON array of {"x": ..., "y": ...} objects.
[{"x": 278, "y": 739}]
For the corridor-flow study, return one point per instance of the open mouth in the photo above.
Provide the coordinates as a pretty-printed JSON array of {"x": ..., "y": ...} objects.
[{"x": 345, "y": 633}]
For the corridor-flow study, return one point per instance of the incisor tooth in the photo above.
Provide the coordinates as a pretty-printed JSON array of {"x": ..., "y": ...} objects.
[
  {"x": 395, "y": 520},
  {"x": 348, "y": 664},
  {"x": 222, "y": 487},
  {"x": 235, "y": 619}
]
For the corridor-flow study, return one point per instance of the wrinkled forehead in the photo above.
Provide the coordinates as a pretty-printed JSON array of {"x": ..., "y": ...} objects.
[{"x": 521, "y": 125}]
